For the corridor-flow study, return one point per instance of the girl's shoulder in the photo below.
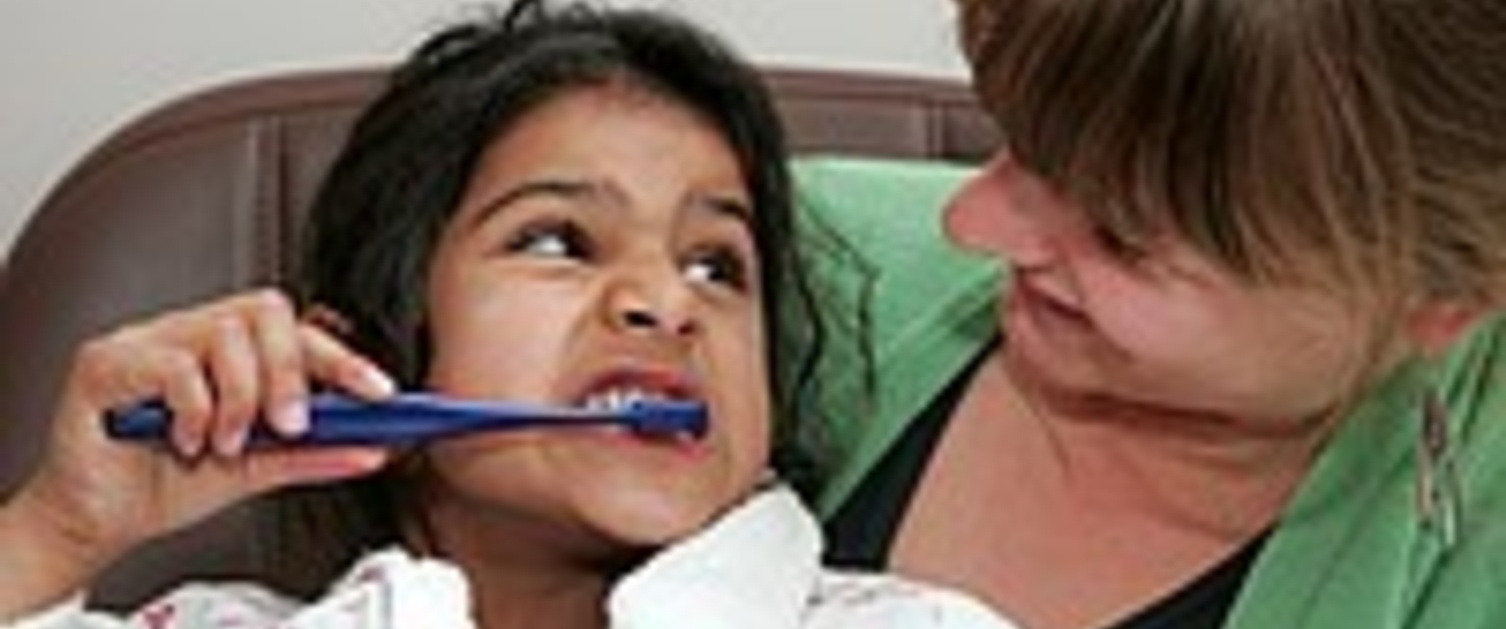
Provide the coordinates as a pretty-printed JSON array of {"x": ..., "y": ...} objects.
[{"x": 386, "y": 589}]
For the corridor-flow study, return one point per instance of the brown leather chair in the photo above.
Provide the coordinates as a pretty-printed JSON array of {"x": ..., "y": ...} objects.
[{"x": 204, "y": 197}]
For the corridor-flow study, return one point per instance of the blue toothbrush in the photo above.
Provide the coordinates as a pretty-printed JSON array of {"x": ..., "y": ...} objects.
[{"x": 412, "y": 418}]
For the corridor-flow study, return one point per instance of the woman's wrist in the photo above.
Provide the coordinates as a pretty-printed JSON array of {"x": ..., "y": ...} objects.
[{"x": 44, "y": 559}]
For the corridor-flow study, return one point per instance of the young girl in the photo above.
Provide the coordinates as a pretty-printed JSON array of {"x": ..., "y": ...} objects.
[{"x": 563, "y": 206}]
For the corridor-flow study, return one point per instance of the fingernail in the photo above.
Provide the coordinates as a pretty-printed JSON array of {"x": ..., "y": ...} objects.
[
  {"x": 188, "y": 448},
  {"x": 380, "y": 382},
  {"x": 292, "y": 418},
  {"x": 229, "y": 445}
]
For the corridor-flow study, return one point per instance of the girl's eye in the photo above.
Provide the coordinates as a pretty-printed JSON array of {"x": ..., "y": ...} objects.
[
  {"x": 552, "y": 240},
  {"x": 718, "y": 265}
]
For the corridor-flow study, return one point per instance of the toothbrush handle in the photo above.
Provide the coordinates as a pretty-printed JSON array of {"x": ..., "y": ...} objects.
[
  {"x": 410, "y": 418},
  {"x": 334, "y": 419}
]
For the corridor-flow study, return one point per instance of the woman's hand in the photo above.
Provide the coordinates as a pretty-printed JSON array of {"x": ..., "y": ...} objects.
[{"x": 221, "y": 368}]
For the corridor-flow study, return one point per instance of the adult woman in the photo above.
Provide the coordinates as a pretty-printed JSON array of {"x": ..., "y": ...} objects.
[
  {"x": 1243, "y": 374},
  {"x": 563, "y": 206}
]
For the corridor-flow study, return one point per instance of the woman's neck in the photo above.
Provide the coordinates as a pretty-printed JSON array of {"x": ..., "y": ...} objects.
[
  {"x": 1222, "y": 476},
  {"x": 1088, "y": 518}
]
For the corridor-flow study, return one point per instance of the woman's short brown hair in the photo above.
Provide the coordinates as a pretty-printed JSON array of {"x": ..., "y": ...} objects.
[{"x": 1358, "y": 143}]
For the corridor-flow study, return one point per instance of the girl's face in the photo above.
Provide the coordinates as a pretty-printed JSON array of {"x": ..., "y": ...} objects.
[
  {"x": 603, "y": 251},
  {"x": 1155, "y": 326}
]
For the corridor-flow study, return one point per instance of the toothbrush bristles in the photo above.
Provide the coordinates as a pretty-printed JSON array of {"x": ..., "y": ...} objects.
[{"x": 662, "y": 418}]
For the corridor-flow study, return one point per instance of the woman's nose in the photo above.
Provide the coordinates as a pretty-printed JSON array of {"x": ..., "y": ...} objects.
[
  {"x": 652, "y": 303},
  {"x": 1000, "y": 212}
]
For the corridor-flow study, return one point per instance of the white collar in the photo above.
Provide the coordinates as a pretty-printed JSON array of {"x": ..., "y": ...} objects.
[{"x": 754, "y": 567}]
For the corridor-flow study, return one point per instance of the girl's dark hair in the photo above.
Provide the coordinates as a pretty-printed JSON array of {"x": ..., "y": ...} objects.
[{"x": 374, "y": 224}]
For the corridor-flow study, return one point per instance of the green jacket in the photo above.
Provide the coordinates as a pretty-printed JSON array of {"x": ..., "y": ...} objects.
[{"x": 1353, "y": 550}]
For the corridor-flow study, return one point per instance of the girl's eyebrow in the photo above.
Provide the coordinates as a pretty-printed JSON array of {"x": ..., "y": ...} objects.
[
  {"x": 728, "y": 206},
  {"x": 563, "y": 188},
  {"x": 721, "y": 205}
]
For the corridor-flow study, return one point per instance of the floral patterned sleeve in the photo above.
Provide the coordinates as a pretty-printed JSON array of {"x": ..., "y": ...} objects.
[{"x": 386, "y": 590}]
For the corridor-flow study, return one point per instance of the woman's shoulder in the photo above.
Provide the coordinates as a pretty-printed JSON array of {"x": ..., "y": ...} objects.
[
  {"x": 920, "y": 308},
  {"x": 873, "y": 231},
  {"x": 883, "y": 217},
  {"x": 1402, "y": 506}
]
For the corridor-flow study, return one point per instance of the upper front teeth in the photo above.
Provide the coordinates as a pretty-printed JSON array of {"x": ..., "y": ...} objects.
[{"x": 616, "y": 399}]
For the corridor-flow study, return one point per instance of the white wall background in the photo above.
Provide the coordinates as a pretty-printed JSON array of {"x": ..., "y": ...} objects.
[{"x": 71, "y": 71}]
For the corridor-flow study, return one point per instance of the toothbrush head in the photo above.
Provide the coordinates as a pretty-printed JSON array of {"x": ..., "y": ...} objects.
[{"x": 667, "y": 417}]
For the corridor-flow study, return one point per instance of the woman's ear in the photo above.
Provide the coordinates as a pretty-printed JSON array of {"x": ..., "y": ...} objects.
[{"x": 1435, "y": 325}]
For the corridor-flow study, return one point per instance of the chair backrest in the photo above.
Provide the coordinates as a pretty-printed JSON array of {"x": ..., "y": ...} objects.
[{"x": 204, "y": 196}]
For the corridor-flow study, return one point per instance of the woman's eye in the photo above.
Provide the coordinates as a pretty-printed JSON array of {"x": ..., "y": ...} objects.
[
  {"x": 1119, "y": 246},
  {"x": 720, "y": 266},
  {"x": 554, "y": 240}
]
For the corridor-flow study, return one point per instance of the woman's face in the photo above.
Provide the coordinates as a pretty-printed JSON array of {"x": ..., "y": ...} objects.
[
  {"x": 1157, "y": 325},
  {"x": 603, "y": 251}
]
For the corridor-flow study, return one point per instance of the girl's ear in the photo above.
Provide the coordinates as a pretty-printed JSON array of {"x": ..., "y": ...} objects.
[{"x": 1435, "y": 325}]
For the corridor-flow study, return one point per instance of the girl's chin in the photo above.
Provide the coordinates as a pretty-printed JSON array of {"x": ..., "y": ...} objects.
[
  {"x": 627, "y": 496},
  {"x": 655, "y": 525}
]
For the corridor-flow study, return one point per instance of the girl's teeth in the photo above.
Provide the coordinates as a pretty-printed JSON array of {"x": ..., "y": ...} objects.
[{"x": 614, "y": 399}]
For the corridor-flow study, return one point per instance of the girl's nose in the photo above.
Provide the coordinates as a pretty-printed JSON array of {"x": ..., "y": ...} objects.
[
  {"x": 1002, "y": 212},
  {"x": 652, "y": 303}
]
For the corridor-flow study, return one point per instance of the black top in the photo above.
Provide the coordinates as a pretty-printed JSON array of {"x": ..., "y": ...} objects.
[{"x": 863, "y": 528}]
